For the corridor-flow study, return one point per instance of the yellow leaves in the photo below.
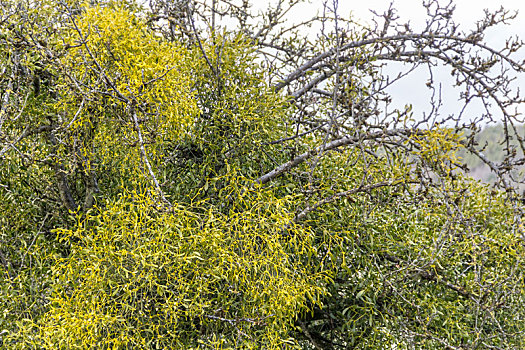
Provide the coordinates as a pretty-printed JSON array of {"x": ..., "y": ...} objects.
[
  {"x": 112, "y": 68},
  {"x": 119, "y": 48},
  {"x": 438, "y": 146},
  {"x": 132, "y": 269}
]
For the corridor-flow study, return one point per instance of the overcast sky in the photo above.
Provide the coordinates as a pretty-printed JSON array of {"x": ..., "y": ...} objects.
[{"x": 467, "y": 13}]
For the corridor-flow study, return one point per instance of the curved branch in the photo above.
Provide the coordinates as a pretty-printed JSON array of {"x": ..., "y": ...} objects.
[
  {"x": 344, "y": 141},
  {"x": 344, "y": 194},
  {"x": 400, "y": 37}
]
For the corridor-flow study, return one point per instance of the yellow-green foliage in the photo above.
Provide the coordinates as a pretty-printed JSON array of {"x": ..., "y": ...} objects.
[
  {"x": 354, "y": 245},
  {"x": 239, "y": 112},
  {"x": 137, "y": 277},
  {"x": 110, "y": 50},
  {"x": 439, "y": 146},
  {"x": 238, "y": 106},
  {"x": 238, "y": 101},
  {"x": 429, "y": 252}
]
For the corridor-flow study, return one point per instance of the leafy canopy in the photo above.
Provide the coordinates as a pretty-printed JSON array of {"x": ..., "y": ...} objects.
[{"x": 169, "y": 184}]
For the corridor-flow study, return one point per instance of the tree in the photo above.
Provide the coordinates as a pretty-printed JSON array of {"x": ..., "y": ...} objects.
[{"x": 171, "y": 180}]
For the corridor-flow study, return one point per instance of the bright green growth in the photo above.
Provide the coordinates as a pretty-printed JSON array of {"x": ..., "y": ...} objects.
[
  {"x": 149, "y": 89},
  {"x": 139, "y": 278}
]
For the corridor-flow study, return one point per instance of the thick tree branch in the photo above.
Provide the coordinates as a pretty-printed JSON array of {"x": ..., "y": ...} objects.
[
  {"x": 344, "y": 141},
  {"x": 345, "y": 194}
]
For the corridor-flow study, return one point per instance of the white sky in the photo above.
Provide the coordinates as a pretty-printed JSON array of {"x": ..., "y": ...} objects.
[{"x": 468, "y": 12}]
